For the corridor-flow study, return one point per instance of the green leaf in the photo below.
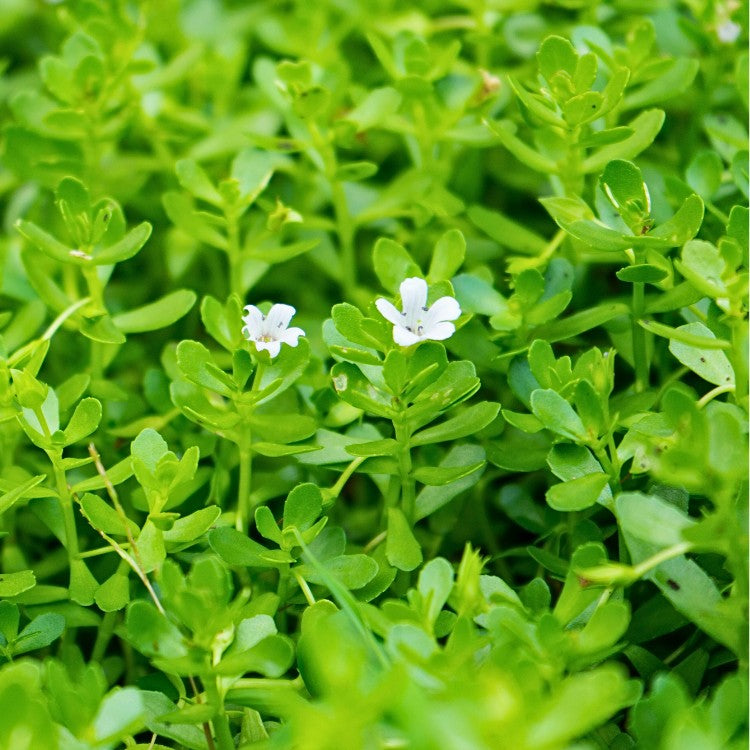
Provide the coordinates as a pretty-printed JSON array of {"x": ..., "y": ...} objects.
[
  {"x": 537, "y": 105},
  {"x": 624, "y": 186},
  {"x": 45, "y": 242},
  {"x": 13, "y": 584},
  {"x": 114, "y": 594},
  {"x": 384, "y": 447},
  {"x": 447, "y": 257},
  {"x": 39, "y": 633},
  {"x": 651, "y": 519},
  {"x": 683, "y": 336},
  {"x": 525, "y": 154},
  {"x": 468, "y": 422},
  {"x": 105, "y": 518},
  {"x": 677, "y": 78},
  {"x": 577, "y": 494},
  {"x": 432, "y": 498},
  {"x": 645, "y": 127},
  {"x": 302, "y": 506},
  {"x": 375, "y": 108},
  {"x": 266, "y": 524},
  {"x": 194, "y": 179},
  {"x": 155, "y": 315},
  {"x": 556, "y": 414},
  {"x": 125, "y": 248},
  {"x": 197, "y": 365},
  {"x": 121, "y": 713},
  {"x": 23, "y": 490},
  {"x": 235, "y": 548},
  {"x": 401, "y": 548},
  {"x": 355, "y": 171},
  {"x": 710, "y": 364},
  {"x": 283, "y": 428},
  {"x": 190, "y": 528},
  {"x": 353, "y": 571},
  {"x": 642, "y": 273},
  {"x": 442, "y": 475},
  {"x": 84, "y": 421},
  {"x": 556, "y": 54},
  {"x": 435, "y": 584},
  {"x": 478, "y": 296},
  {"x": 253, "y": 170},
  {"x": 276, "y": 450},
  {"x": 704, "y": 173},
  {"x": 506, "y": 231},
  {"x": 352, "y": 386},
  {"x": 152, "y": 633},
  {"x": 392, "y": 264}
]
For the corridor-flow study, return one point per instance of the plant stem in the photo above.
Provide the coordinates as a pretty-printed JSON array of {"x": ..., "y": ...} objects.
[
  {"x": 222, "y": 730},
  {"x": 669, "y": 553},
  {"x": 305, "y": 588},
  {"x": 242, "y": 516},
  {"x": 234, "y": 252},
  {"x": 345, "y": 229},
  {"x": 408, "y": 499},
  {"x": 640, "y": 355},
  {"x": 66, "y": 503},
  {"x": 106, "y": 629}
]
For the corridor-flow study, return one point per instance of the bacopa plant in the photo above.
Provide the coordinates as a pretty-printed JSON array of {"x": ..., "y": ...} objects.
[{"x": 373, "y": 375}]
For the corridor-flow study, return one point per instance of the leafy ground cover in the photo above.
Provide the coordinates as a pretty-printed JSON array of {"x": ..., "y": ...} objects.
[{"x": 373, "y": 375}]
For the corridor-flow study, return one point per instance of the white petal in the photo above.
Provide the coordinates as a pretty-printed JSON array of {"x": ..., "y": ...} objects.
[
  {"x": 413, "y": 298},
  {"x": 389, "y": 311},
  {"x": 446, "y": 308},
  {"x": 403, "y": 337},
  {"x": 272, "y": 347},
  {"x": 291, "y": 336},
  {"x": 253, "y": 320},
  {"x": 440, "y": 331},
  {"x": 278, "y": 318}
]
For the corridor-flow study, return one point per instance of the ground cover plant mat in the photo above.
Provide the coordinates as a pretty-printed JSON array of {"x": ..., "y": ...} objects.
[{"x": 373, "y": 374}]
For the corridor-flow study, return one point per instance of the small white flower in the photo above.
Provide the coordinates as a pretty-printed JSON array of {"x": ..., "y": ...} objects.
[
  {"x": 417, "y": 322},
  {"x": 270, "y": 331},
  {"x": 728, "y": 31}
]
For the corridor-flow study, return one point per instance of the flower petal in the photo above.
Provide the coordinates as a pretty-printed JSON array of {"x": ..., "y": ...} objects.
[
  {"x": 278, "y": 318},
  {"x": 403, "y": 337},
  {"x": 253, "y": 320},
  {"x": 439, "y": 331},
  {"x": 272, "y": 347},
  {"x": 291, "y": 336},
  {"x": 413, "y": 299},
  {"x": 389, "y": 312},
  {"x": 446, "y": 308}
]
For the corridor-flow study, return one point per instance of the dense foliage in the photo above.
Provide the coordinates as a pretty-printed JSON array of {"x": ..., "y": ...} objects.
[{"x": 388, "y": 522}]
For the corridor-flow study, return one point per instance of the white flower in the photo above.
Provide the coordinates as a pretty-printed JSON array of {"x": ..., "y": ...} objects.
[
  {"x": 417, "y": 322},
  {"x": 728, "y": 31},
  {"x": 270, "y": 331}
]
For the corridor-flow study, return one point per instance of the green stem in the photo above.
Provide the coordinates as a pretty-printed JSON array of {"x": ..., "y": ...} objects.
[
  {"x": 640, "y": 355},
  {"x": 243, "y": 493},
  {"x": 222, "y": 730},
  {"x": 106, "y": 630},
  {"x": 408, "y": 496},
  {"x": 302, "y": 583},
  {"x": 345, "y": 229},
  {"x": 666, "y": 554},
  {"x": 66, "y": 503},
  {"x": 335, "y": 491},
  {"x": 234, "y": 253}
]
